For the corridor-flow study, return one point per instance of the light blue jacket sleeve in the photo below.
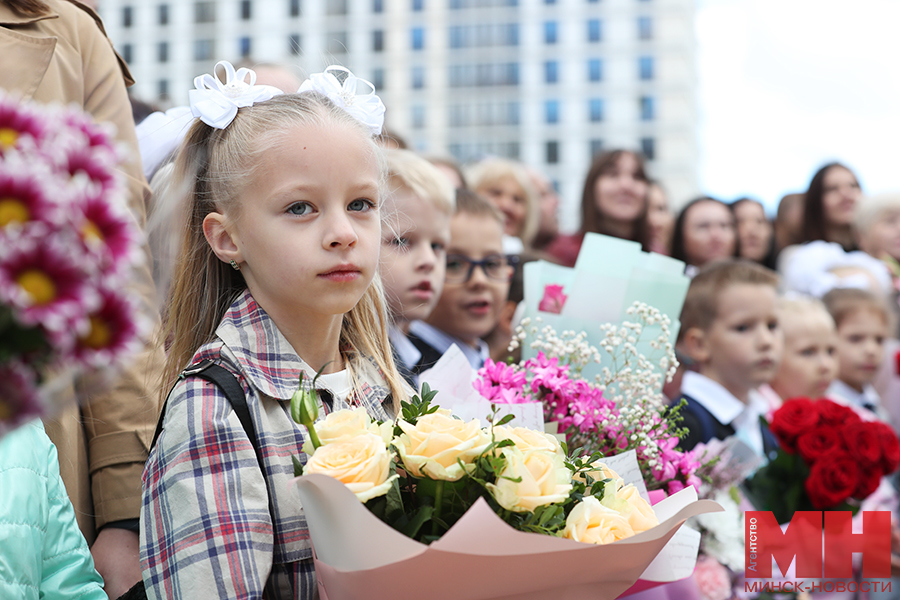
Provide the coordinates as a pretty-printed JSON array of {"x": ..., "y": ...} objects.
[{"x": 42, "y": 552}]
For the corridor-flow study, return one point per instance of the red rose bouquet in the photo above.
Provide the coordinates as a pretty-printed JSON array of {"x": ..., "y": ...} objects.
[{"x": 829, "y": 456}]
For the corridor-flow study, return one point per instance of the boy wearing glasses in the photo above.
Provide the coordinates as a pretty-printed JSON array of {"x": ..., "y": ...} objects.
[
  {"x": 414, "y": 242},
  {"x": 476, "y": 285}
]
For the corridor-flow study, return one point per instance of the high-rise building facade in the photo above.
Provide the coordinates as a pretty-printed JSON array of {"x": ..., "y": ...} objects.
[{"x": 550, "y": 82}]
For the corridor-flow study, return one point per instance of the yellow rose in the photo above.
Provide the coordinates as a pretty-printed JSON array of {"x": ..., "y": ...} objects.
[
  {"x": 528, "y": 439},
  {"x": 640, "y": 514},
  {"x": 600, "y": 471},
  {"x": 433, "y": 447},
  {"x": 361, "y": 462},
  {"x": 592, "y": 523},
  {"x": 531, "y": 479},
  {"x": 343, "y": 424}
]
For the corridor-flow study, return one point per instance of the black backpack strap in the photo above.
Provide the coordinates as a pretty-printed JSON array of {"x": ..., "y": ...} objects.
[{"x": 228, "y": 383}]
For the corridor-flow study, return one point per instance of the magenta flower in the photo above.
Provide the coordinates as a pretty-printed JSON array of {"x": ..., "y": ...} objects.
[
  {"x": 42, "y": 280},
  {"x": 20, "y": 125},
  {"x": 111, "y": 331},
  {"x": 19, "y": 399},
  {"x": 553, "y": 300},
  {"x": 108, "y": 228},
  {"x": 501, "y": 383},
  {"x": 25, "y": 201}
]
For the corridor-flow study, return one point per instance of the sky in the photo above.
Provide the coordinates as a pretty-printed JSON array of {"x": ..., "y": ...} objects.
[{"x": 788, "y": 85}]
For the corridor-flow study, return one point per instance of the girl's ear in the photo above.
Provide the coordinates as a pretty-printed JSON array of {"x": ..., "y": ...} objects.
[
  {"x": 223, "y": 242},
  {"x": 696, "y": 344}
]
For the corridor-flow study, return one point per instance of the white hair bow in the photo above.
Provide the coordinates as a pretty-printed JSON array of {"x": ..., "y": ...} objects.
[
  {"x": 216, "y": 103},
  {"x": 366, "y": 107}
]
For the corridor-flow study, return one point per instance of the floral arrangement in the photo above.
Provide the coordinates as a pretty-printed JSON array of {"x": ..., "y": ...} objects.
[
  {"x": 828, "y": 457},
  {"x": 67, "y": 241},
  {"x": 423, "y": 473},
  {"x": 622, "y": 409}
]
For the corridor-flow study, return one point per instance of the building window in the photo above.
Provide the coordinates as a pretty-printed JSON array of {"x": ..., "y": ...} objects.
[
  {"x": 294, "y": 8},
  {"x": 418, "y": 77},
  {"x": 377, "y": 6},
  {"x": 127, "y": 52},
  {"x": 337, "y": 42},
  {"x": 163, "y": 14},
  {"x": 204, "y": 12},
  {"x": 127, "y": 16},
  {"x": 378, "y": 78},
  {"x": 551, "y": 71},
  {"x": 335, "y": 7},
  {"x": 551, "y": 111},
  {"x": 648, "y": 108},
  {"x": 246, "y": 10},
  {"x": 378, "y": 40},
  {"x": 594, "y": 30},
  {"x": 162, "y": 89},
  {"x": 418, "y": 5},
  {"x": 595, "y": 110},
  {"x": 595, "y": 69},
  {"x": 418, "y": 38},
  {"x": 648, "y": 148},
  {"x": 245, "y": 47},
  {"x": 645, "y": 68},
  {"x": 204, "y": 49},
  {"x": 418, "y": 116},
  {"x": 645, "y": 28},
  {"x": 294, "y": 44},
  {"x": 162, "y": 52},
  {"x": 550, "y": 32},
  {"x": 552, "y": 152},
  {"x": 596, "y": 147}
]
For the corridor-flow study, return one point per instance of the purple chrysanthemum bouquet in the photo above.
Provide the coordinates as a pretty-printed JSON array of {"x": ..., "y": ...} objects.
[{"x": 67, "y": 245}]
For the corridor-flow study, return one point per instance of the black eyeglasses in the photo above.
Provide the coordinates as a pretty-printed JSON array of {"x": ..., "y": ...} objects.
[{"x": 496, "y": 266}]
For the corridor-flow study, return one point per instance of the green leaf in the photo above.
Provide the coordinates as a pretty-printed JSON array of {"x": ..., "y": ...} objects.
[
  {"x": 504, "y": 420},
  {"x": 298, "y": 466},
  {"x": 419, "y": 518}
]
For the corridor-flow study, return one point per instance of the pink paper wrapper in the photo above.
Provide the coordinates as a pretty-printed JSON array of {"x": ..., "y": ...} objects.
[{"x": 479, "y": 558}]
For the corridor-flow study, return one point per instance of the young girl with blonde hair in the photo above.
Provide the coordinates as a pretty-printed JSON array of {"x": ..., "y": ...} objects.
[{"x": 277, "y": 278}]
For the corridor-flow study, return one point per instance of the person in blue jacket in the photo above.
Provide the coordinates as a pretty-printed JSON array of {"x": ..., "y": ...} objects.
[{"x": 42, "y": 551}]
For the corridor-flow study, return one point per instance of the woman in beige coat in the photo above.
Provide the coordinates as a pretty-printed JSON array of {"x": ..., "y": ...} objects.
[{"x": 57, "y": 51}]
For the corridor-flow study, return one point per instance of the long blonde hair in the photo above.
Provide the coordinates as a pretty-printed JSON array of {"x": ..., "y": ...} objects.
[{"x": 213, "y": 166}]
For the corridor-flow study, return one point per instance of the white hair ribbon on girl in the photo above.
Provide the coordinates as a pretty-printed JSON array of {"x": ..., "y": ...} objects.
[
  {"x": 342, "y": 89},
  {"x": 216, "y": 103}
]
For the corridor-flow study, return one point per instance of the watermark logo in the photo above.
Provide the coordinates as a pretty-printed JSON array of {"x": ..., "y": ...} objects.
[{"x": 823, "y": 544}]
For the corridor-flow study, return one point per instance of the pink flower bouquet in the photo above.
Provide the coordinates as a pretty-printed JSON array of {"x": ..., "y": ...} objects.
[{"x": 67, "y": 241}]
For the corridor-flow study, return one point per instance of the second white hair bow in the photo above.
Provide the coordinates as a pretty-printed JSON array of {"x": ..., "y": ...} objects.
[
  {"x": 342, "y": 89},
  {"x": 217, "y": 103}
]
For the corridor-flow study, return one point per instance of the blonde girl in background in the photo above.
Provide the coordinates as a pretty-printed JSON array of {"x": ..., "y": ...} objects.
[
  {"x": 277, "y": 278},
  {"x": 809, "y": 363},
  {"x": 507, "y": 185}
]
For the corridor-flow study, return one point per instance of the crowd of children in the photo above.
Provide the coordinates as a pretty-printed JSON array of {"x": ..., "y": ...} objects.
[{"x": 307, "y": 247}]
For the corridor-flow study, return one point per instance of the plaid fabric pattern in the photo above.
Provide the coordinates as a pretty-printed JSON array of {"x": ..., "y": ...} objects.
[{"x": 206, "y": 530}]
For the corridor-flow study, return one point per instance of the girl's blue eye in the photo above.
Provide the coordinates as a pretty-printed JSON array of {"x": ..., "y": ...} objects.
[
  {"x": 300, "y": 208},
  {"x": 400, "y": 242},
  {"x": 360, "y": 205}
]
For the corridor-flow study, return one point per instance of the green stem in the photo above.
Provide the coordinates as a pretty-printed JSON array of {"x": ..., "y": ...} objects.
[
  {"x": 313, "y": 436},
  {"x": 438, "y": 500}
]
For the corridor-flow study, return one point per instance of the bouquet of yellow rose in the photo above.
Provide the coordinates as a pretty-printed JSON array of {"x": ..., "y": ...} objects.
[{"x": 434, "y": 478}]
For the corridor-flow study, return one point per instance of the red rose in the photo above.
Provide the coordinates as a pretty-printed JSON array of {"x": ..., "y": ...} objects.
[
  {"x": 868, "y": 482},
  {"x": 796, "y": 416},
  {"x": 838, "y": 415},
  {"x": 863, "y": 443},
  {"x": 821, "y": 440},
  {"x": 890, "y": 447},
  {"x": 832, "y": 480}
]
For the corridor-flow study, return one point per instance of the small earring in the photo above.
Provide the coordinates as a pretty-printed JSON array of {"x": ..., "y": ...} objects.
[{"x": 235, "y": 266}]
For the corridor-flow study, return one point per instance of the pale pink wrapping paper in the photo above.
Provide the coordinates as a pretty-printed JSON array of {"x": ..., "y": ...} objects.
[{"x": 481, "y": 557}]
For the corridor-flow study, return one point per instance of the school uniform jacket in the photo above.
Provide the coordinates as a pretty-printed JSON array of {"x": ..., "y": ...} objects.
[{"x": 206, "y": 530}]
